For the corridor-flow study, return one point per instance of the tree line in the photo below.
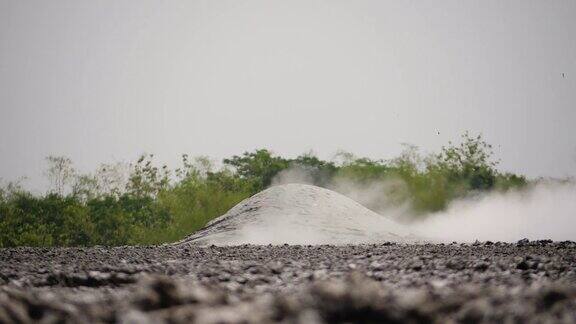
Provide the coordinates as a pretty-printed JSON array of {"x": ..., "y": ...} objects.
[{"x": 143, "y": 203}]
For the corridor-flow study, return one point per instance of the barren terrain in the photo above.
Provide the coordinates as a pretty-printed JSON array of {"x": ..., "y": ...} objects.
[{"x": 482, "y": 282}]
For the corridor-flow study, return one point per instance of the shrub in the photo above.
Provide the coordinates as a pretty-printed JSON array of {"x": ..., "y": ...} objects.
[{"x": 142, "y": 203}]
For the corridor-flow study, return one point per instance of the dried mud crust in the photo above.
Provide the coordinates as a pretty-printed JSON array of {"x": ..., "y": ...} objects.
[{"x": 485, "y": 282}]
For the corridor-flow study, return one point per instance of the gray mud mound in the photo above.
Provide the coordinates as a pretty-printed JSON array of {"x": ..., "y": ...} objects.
[{"x": 300, "y": 214}]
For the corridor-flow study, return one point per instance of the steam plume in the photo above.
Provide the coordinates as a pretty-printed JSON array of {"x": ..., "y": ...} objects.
[{"x": 545, "y": 210}]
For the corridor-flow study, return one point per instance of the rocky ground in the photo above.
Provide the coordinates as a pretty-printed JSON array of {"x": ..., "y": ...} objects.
[{"x": 483, "y": 282}]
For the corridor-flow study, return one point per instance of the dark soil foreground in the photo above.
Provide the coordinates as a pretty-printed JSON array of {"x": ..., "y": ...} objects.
[{"x": 488, "y": 282}]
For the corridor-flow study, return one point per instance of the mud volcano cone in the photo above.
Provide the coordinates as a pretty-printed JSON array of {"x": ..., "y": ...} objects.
[{"x": 300, "y": 214}]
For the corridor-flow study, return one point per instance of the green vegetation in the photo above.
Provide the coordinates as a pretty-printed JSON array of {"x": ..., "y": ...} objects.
[{"x": 142, "y": 203}]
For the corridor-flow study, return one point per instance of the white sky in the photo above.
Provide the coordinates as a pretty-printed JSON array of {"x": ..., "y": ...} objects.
[{"x": 103, "y": 81}]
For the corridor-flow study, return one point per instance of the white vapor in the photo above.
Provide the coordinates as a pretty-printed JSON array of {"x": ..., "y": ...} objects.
[
  {"x": 294, "y": 174},
  {"x": 381, "y": 196},
  {"x": 545, "y": 210},
  {"x": 542, "y": 211}
]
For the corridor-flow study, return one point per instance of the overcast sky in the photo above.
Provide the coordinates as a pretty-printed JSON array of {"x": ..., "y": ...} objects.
[{"x": 103, "y": 81}]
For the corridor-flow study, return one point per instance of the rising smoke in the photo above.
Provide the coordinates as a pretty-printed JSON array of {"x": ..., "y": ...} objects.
[
  {"x": 544, "y": 210},
  {"x": 379, "y": 196}
]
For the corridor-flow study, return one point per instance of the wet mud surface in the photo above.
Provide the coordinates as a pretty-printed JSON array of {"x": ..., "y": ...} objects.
[{"x": 527, "y": 282}]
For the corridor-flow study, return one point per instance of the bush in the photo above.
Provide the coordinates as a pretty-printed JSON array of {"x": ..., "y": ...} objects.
[{"x": 142, "y": 203}]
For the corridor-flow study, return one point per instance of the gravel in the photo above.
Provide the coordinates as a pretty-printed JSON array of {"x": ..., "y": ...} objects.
[{"x": 526, "y": 282}]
